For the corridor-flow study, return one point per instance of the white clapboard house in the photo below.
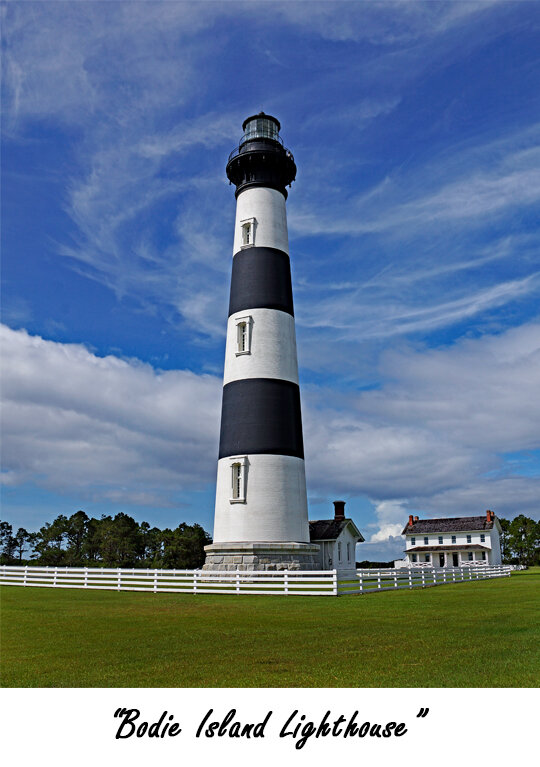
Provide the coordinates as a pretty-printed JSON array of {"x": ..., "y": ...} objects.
[
  {"x": 337, "y": 539},
  {"x": 454, "y": 542}
]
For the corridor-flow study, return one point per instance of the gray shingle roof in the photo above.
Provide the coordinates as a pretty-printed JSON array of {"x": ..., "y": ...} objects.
[
  {"x": 329, "y": 529},
  {"x": 451, "y": 525}
]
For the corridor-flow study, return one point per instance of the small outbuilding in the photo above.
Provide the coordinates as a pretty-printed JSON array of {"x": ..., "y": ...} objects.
[{"x": 337, "y": 539}]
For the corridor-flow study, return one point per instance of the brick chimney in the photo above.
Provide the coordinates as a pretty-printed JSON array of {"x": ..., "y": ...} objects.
[
  {"x": 339, "y": 509},
  {"x": 416, "y": 519},
  {"x": 410, "y": 519},
  {"x": 490, "y": 515}
]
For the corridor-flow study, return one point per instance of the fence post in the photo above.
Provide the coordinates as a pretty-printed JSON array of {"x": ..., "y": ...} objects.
[
  {"x": 378, "y": 579},
  {"x": 410, "y": 579},
  {"x": 434, "y": 576},
  {"x": 195, "y": 581},
  {"x": 361, "y": 583},
  {"x": 395, "y": 579},
  {"x": 286, "y": 582},
  {"x": 85, "y": 577},
  {"x": 25, "y": 574},
  {"x": 54, "y": 577},
  {"x": 119, "y": 579},
  {"x": 155, "y": 581},
  {"x": 237, "y": 580},
  {"x": 423, "y": 578},
  {"x": 334, "y": 583}
]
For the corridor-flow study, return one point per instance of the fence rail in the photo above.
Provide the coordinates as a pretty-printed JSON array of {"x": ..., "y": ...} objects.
[
  {"x": 303, "y": 583},
  {"x": 288, "y": 582},
  {"x": 422, "y": 577}
]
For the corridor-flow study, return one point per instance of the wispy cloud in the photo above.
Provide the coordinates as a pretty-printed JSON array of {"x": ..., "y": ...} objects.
[{"x": 467, "y": 194}]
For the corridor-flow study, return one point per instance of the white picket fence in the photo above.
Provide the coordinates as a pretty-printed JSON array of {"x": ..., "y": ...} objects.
[
  {"x": 409, "y": 578},
  {"x": 288, "y": 582},
  {"x": 298, "y": 582}
]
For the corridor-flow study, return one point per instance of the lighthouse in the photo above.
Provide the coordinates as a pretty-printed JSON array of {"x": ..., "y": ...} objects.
[{"x": 261, "y": 518}]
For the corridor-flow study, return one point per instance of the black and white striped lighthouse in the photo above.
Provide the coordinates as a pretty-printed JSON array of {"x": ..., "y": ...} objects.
[{"x": 261, "y": 519}]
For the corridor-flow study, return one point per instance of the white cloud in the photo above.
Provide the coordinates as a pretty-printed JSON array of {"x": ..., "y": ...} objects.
[
  {"x": 115, "y": 427},
  {"x": 435, "y": 438},
  {"x": 430, "y": 441}
]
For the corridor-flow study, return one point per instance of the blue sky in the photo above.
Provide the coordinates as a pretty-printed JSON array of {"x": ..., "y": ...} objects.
[{"x": 414, "y": 234}]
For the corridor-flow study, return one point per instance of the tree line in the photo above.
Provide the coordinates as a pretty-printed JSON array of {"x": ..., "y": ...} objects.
[
  {"x": 119, "y": 541},
  {"x": 520, "y": 541}
]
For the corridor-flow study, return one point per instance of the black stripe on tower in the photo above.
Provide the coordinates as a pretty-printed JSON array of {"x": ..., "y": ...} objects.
[
  {"x": 261, "y": 415},
  {"x": 261, "y": 279}
]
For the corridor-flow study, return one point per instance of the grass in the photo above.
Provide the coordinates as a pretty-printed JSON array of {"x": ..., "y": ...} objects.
[{"x": 479, "y": 634}]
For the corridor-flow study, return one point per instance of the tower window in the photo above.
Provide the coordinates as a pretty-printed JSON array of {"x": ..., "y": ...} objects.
[
  {"x": 243, "y": 335},
  {"x": 238, "y": 480},
  {"x": 339, "y": 551},
  {"x": 248, "y": 232},
  {"x": 348, "y": 551}
]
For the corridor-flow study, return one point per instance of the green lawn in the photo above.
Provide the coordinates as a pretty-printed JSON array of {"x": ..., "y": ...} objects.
[{"x": 480, "y": 634}]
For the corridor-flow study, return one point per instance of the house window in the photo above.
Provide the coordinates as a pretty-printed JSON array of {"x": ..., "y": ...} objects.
[
  {"x": 440, "y": 538},
  {"x": 484, "y": 556},
  {"x": 426, "y": 541},
  {"x": 471, "y": 556},
  {"x": 482, "y": 538},
  {"x": 248, "y": 232},
  {"x": 469, "y": 539},
  {"x": 427, "y": 557},
  {"x": 453, "y": 539},
  {"x": 238, "y": 480},
  {"x": 414, "y": 558},
  {"x": 348, "y": 551},
  {"x": 413, "y": 541},
  {"x": 243, "y": 335},
  {"x": 339, "y": 551}
]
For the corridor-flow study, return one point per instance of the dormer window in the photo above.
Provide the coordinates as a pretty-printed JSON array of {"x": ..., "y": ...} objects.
[
  {"x": 243, "y": 335},
  {"x": 238, "y": 480},
  {"x": 248, "y": 232}
]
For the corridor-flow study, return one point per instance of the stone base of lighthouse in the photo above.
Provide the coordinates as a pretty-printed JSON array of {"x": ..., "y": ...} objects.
[{"x": 265, "y": 556}]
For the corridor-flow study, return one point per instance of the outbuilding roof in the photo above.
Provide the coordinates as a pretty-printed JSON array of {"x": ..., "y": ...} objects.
[
  {"x": 450, "y": 525},
  {"x": 330, "y": 529}
]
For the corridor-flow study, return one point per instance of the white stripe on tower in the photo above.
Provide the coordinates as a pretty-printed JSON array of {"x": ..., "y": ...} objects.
[{"x": 261, "y": 485}]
